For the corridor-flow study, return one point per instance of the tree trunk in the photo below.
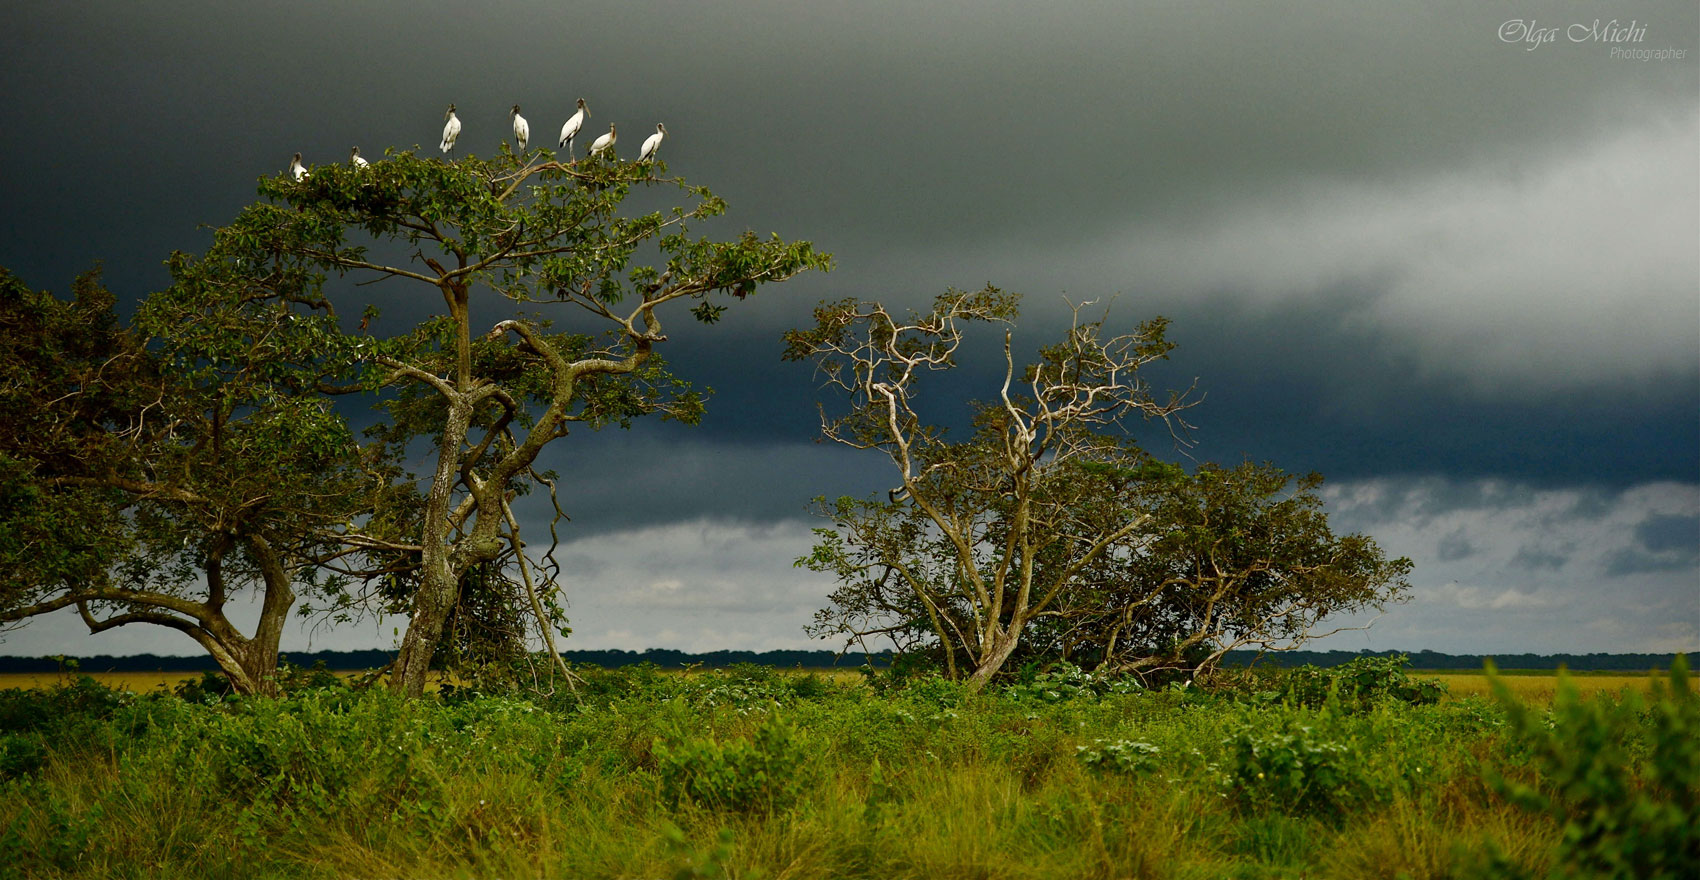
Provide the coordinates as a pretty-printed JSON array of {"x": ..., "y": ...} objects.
[
  {"x": 251, "y": 666},
  {"x": 251, "y": 663},
  {"x": 439, "y": 580},
  {"x": 1002, "y": 647},
  {"x": 436, "y": 598}
]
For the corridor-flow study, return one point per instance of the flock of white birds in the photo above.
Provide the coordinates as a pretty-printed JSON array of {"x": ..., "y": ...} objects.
[{"x": 522, "y": 136}]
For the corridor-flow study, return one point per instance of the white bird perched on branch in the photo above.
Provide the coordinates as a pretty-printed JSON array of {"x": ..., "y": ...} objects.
[
  {"x": 355, "y": 160},
  {"x": 296, "y": 169},
  {"x": 652, "y": 143},
  {"x": 522, "y": 129},
  {"x": 574, "y": 123},
  {"x": 451, "y": 129},
  {"x": 605, "y": 141}
]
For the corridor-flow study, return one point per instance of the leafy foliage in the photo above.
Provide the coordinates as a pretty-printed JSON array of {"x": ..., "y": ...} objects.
[
  {"x": 1298, "y": 769},
  {"x": 1048, "y": 534},
  {"x": 1119, "y": 756},
  {"x": 1355, "y": 685},
  {"x": 544, "y": 234},
  {"x": 762, "y": 774},
  {"x": 74, "y": 379},
  {"x": 1622, "y": 777},
  {"x": 1065, "y": 681},
  {"x": 929, "y": 780},
  {"x": 153, "y": 472}
]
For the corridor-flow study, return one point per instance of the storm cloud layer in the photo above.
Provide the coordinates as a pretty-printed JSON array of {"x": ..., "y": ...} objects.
[{"x": 1444, "y": 253}]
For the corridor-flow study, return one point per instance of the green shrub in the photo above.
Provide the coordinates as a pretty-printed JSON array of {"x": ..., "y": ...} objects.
[
  {"x": 1064, "y": 681},
  {"x": 1119, "y": 756},
  {"x": 211, "y": 687},
  {"x": 1298, "y": 769},
  {"x": 1355, "y": 685},
  {"x": 935, "y": 692},
  {"x": 1621, "y": 776},
  {"x": 26, "y": 709},
  {"x": 763, "y": 775},
  {"x": 21, "y": 754},
  {"x": 294, "y": 678}
]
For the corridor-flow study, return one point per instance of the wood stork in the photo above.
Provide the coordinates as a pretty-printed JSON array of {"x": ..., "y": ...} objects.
[
  {"x": 355, "y": 160},
  {"x": 604, "y": 142},
  {"x": 574, "y": 123},
  {"x": 451, "y": 129},
  {"x": 522, "y": 129},
  {"x": 652, "y": 143},
  {"x": 296, "y": 169}
]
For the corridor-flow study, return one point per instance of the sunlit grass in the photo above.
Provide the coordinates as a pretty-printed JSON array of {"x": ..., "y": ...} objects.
[
  {"x": 1541, "y": 688},
  {"x": 927, "y": 782}
]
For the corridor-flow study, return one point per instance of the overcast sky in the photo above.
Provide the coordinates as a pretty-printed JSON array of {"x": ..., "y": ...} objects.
[{"x": 1448, "y": 254}]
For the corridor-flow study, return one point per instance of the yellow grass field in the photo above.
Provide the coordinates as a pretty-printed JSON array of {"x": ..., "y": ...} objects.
[
  {"x": 1536, "y": 688},
  {"x": 140, "y": 682}
]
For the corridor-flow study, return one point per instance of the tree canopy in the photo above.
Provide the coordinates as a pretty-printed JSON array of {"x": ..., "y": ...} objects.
[
  {"x": 211, "y": 422},
  {"x": 1048, "y": 531}
]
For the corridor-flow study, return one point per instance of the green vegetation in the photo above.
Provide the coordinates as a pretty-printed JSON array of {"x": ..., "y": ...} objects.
[
  {"x": 751, "y": 772},
  {"x": 1049, "y": 534},
  {"x": 151, "y": 471}
]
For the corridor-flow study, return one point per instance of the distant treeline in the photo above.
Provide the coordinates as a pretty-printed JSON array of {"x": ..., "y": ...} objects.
[
  {"x": 1437, "y": 660},
  {"x": 670, "y": 659}
]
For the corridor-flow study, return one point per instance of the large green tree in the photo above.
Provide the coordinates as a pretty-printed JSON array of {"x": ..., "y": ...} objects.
[
  {"x": 155, "y": 474},
  {"x": 1047, "y": 531},
  {"x": 500, "y": 251},
  {"x": 1228, "y": 558}
]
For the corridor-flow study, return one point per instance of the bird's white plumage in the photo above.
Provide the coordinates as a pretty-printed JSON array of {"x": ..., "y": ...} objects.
[
  {"x": 355, "y": 160},
  {"x": 604, "y": 142},
  {"x": 451, "y": 129},
  {"x": 297, "y": 170},
  {"x": 574, "y": 123},
  {"x": 522, "y": 129},
  {"x": 652, "y": 143}
]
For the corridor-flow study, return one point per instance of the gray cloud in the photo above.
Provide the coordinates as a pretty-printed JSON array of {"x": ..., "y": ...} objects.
[
  {"x": 1536, "y": 557},
  {"x": 1663, "y": 542},
  {"x": 1454, "y": 547},
  {"x": 1458, "y": 276},
  {"x": 1559, "y": 569},
  {"x": 1666, "y": 533}
]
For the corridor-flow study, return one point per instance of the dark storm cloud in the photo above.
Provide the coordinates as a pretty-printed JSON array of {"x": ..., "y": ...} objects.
[
  {"x": 1663, "y": 542},
  {"x": 1456, "y": 275},
  {"x": 915, "y": 143},
  {"x": 620, "y": 480},
  {"x": 1665, "y": 534}
]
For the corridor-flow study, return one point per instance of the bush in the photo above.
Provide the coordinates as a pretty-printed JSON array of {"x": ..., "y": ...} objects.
[
  {"x": 294, "y": 678},
  {"x": 1355, "y": 685},
  {"x": 25, "y": 709},
  {"x": 211, "y": 687},
  {"x": 1620, "y": 776},
  {"x": 742, "y": 776},
  {"x": 1064, "y": 681},
  {"x": 21, "y": 754},
  {"x": 1297, "y": 770},
  {"x": 1119, "y": 756}
]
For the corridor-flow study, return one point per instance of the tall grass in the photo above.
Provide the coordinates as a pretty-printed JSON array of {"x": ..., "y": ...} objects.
[{"x": 751, "y": 773}]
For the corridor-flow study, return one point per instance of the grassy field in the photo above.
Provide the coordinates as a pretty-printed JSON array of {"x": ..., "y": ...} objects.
[
  {"x": 755, "y": 773},
  {"x": 1541, "y": 688},
  {"x": 139, "y": 682}
]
